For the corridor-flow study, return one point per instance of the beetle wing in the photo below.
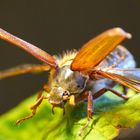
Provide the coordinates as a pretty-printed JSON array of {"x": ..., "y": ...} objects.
[
  {"x": 94, "y": 51},
  {"x": 129, "y": 73},
  {"x": 33, "y": 50},
  {"x": 127, "y": 77}
]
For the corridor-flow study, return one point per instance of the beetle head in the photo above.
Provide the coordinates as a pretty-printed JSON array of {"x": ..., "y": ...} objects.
[{"x": 58, "y": 96}]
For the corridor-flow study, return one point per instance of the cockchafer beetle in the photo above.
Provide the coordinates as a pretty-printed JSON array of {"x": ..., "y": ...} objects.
[{"x": 79, "y": 75}]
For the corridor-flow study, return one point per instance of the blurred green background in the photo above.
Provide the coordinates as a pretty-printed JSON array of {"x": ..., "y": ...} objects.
[{"x": 56, "y": 26}]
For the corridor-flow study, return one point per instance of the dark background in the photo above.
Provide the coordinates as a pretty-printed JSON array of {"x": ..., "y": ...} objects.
[{"x": 56, "y": 26}]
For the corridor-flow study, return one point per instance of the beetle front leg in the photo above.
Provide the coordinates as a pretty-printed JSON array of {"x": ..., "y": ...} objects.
[
  {"x": 46, "y": 88},
  {"x": 33, "y": 108}
]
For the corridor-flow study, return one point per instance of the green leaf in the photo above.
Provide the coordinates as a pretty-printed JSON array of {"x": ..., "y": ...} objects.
[{"x": 111, "y": 113}]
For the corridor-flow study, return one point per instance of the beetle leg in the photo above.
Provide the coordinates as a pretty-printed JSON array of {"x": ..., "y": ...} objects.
[
  {"x": 33, "y": 108},
  {"x": 39, "y": 94},
  {"x": 82, "y": 97},
  {"x": 90, "y": 105},
  {"x": 44, "y": 88},
  {"x": 102, "y": 91},
  {"x": 89, "y": 111},
  {"x": 47, "y": 87},
  {"x": 90, "y": 97},
  {"x": 23, "y": 69},
  {"x": 125, "y": 89}
]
